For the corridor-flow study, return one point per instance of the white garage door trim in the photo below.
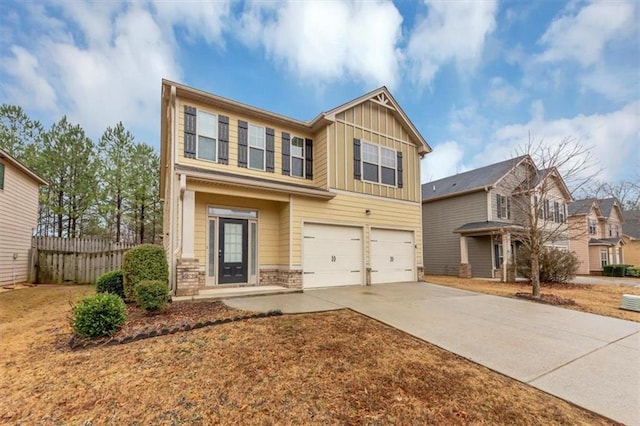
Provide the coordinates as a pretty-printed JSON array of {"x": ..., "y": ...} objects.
[
  {"x": 332, "y": 255},
  {"x": 392, "y": 255}
]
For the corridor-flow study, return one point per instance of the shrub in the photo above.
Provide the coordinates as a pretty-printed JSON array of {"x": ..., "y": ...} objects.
[
  {"x": 619, "y": 270},
  {"x": 111, "y": 282},
  {"x": 152, "y": 295},
  {"x": 98, "y": 315},
  {"x": 143, "y": 263},
  {"x": 633, "y": 271},
  {"x": 556, "y": 266}
]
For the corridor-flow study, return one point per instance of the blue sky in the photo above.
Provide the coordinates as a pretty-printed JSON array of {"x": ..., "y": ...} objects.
[{"x": 476, "y": 78}]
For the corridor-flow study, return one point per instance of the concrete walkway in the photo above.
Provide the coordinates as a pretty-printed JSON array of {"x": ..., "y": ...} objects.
[{"x": 589, "y": 360}]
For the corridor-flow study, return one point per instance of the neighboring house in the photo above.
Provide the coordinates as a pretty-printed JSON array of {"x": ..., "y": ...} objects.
[
  {"x": 255, "y": 198},
  {"x": 596, "y": 233},
  {"x": 631, "y": 237},
  {"x": 19, "y": 189},
  {"x": 471, "y": 224}
]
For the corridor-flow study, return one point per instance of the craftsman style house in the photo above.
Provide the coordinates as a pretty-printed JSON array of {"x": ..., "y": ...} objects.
[
  {"x": 596, "y": 233},
  {"x": 472, "y": 221},
  {"x": 255, "y": 198},
  {"x": 631, "y": 237},
  {"x": 19, "y": 187}
]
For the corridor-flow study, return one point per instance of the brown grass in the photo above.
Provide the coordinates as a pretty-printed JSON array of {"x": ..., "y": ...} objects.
[
  {"x": 594, "y": 299},
  {"x": 330, "y": 368}
]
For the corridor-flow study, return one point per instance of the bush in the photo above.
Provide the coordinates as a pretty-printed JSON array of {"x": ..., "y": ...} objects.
[
  {"x": 152, "y": 295},
  {"x": 111, "y": 282},
  {"x": 615, "y": 270},
  {"x": 556, "y": 266},
  {"x": 143, "y": 263},
  {"x": 633, "y": 271},
  {"x": 98, "y": 315}
]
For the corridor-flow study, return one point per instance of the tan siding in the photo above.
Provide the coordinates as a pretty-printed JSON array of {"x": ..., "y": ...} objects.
[
  {"x": 350, "y": 210},
  {"x": 631, "y": 252},
  {"x": 439, "y": 220},
  {"x": 19, "y": 213},
  {"x": 579, "y": 242},
  {"x": 594, "y": 258}
]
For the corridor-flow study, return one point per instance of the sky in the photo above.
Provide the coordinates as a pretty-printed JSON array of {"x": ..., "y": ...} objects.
[{"x": 479, "y": 79}]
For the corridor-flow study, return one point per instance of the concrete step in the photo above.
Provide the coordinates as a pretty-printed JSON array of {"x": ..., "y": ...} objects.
[{"x": 226, "y": 293}]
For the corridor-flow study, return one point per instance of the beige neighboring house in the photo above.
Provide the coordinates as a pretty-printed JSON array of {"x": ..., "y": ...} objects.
[
  {"x": 19, "y": 188},
  {"x": 596, "y": 234},
  {"x": 471, "y": 223},
  {"x": 254, "y": 198},
  {"x": 631, "y": 237}
]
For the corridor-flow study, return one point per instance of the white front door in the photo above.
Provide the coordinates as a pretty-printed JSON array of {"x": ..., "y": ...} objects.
[
  {"x": 392, "y": 256},
  {"x": 332, "y": 255}
]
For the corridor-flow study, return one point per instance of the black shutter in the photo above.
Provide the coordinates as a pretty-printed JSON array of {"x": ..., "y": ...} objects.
[
  {"x": 356, "y": 159},
  {"x": 286, "y": 154},
  {"x": 270, "y": 149},
  {"x": 223, "y": 139},
  {"x": 189, "y": 131},
  {"x": 508, "y": 207},
  {"x": 308, "y": 158},
  {"x": 243, "y": 137},
  {"x": 400, "y": 180}
]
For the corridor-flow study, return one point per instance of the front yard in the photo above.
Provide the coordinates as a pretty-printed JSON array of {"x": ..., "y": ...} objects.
[
  {"x": 337, "y": 367},
  {"x": 595, "y": 299}
]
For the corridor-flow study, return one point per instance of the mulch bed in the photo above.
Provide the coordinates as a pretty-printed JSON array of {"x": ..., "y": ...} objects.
[
  {"x": 174, "y": 317},
  {"x": 549, "y": 299}
]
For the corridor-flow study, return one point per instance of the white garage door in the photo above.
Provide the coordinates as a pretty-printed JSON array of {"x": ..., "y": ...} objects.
[
  {"x": 392, "y": 256},
  {"x": 332, "y": 255}
]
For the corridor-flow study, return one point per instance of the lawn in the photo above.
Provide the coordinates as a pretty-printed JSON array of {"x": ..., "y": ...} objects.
[
  {"x": 331, "y": 368},
  {"x": 595, "y": 299}
]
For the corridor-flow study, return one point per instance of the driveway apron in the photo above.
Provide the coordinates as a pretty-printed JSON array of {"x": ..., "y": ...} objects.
[{"x": 590, "y": 360}]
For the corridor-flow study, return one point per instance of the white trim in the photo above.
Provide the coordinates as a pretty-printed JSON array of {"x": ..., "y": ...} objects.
[
  {"x": 380, "y": 197},
  {"x": 375, "y": 132},
  {"x": 264, "y": 148}
]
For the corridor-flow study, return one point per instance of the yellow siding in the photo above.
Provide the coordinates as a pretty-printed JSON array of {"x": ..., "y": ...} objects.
[
  {"x": 373, "y": 123},
  {"x": 319, "y": 151},
  {"x": 350, "y": 210},
  {"x": 631, "y": 251},
  {"x": 594, "y": 258},
  {"x": 19, "y": 212},
  {"x": 579, "y": 242}
]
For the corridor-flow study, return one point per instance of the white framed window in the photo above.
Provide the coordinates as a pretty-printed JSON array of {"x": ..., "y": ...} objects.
[
  {"x": 593, "y": 226},
  {"x": 379, "y": 164},
  {"x": 503, "y": 206},
  {"x": 207, "y": 136},
  {"x": 604, "y": 257},
  {"x": 256, "y": 147},
  {"x": 297, "y": 157}
]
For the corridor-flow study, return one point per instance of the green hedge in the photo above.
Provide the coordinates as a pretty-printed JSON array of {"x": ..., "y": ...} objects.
[
  {"x": 633, "y": 271},
  {"x": 98, "y": 315},
  {"x": 111, "y": 282},
  {"x": 615, "y": 270},
  {"x": 152, "y": 295},
  {"x": 143, "y": 263}
]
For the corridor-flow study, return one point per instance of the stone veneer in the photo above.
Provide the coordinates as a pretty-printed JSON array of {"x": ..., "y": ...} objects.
[
  {"x": 420, "y": 273},
  {"x": 190, "y": 277},
  {"x": 289, "y": 279},
  {"x": 465, "y": 270}
]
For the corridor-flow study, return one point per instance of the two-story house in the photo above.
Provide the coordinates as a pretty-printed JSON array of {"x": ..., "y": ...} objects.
[
  {"x": 631, "y": 237},
  {"x": 19, "y": 188},
  {"x": 255, "y": 198},
  {"x": 472, "y": 221},
  {"x": 596, "y": 233}
]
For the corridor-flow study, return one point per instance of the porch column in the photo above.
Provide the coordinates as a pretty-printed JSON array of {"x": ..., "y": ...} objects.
[
  {"x": 188, "y": 224},
  {"x": 465, "y": 267},
  {"x": 507, "y": 272}
]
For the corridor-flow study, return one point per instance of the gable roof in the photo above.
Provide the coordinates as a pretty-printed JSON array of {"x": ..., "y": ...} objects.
[
  {"x": 4, "y": 155},
  {"x": 603, "y": 206},
  {"x": 631, "y": 226},
  {"x": 470, "y": 181}
]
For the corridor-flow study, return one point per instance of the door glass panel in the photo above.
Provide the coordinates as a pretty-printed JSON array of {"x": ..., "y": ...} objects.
[
  {"x": 212, "y": 248},
  {"x": 254, "y": 247},
  {"x": 232, "y": 243},
  {"x": 216, "y": 211}
]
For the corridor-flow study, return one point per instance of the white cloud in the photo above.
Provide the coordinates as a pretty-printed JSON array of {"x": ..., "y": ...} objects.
[
  {"x": 31, "y": 90},
  {"x": 583, "y": 36},
  {"x": 203, "y": 19},
  {"x": 618, "y": 84},
  {"x": 452, "y": 32},
  {"x": 328, "y": 41},
  {"x": 502, "y": 94},
  {"x": 445, "y": 160}
]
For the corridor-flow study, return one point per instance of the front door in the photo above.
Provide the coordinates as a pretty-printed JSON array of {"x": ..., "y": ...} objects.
[{"x": 233, "y": 253}]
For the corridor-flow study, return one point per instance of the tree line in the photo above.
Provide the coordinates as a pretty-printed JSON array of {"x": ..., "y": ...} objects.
[{"x": 107, "y": 188}]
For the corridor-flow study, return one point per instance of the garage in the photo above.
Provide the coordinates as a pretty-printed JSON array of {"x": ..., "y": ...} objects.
[
  {"x": 332, "y": 255},
  {"x": 392, "y": 256}
]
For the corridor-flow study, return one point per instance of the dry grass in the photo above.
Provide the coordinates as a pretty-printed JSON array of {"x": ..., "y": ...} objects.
[
  {"x": 594, "y": 299},
  {"x": 330, "y": 368}
]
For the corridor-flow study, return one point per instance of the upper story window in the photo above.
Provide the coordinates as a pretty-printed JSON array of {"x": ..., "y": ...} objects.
[
  {"x": 503, "y": 204},
  {"x": 297, "y": 157},
  {"x": 1, "y": 176},
  {"x": 610, "y": 231},
  {"x": 562, "y": 212},
  {"x": 256, "y": 147},
  {"x": 378, "y": 164},
  {"x": 207, "y": 134},
  {"x": 593, "y": 226},
  {"x": 617, "y": 230}
]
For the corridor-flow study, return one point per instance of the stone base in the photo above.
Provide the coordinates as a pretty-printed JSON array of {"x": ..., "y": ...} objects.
[
  {"x": 420, "y": 276},
  {"x": 511, "y": 274},
  {"x": 190, "y": 277},
  {"x": 288, "y": 279},
  {"x": 465, "y": 270}
]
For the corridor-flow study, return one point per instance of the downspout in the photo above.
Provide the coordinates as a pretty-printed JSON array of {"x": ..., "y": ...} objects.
[{"x": 173, "y": 203}]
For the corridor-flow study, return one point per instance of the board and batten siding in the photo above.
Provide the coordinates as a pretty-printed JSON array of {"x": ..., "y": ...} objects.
[
  {"x": 374, "y": 123},
  {"x": 19, "y": 213},
  {"x": 439, "y": 219},
  {"x": 319, "y": 149},
  {"x": 350, "y": 210}
]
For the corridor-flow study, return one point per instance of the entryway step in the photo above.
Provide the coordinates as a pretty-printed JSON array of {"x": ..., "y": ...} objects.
[{"x": 225, "y": 293}]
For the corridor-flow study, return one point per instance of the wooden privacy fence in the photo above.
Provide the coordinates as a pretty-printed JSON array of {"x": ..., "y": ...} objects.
[{"x": 73, "y": 260}]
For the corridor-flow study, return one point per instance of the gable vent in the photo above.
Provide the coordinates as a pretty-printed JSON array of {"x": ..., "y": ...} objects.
[{"x": 630, "y": 302}]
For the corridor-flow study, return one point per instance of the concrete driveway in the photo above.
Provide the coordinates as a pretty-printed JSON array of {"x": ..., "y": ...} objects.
[
  {"x": 589, "y": 360},
  {"x": 591, "y": 279}
]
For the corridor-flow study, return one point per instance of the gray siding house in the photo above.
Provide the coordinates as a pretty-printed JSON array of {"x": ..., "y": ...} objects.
[{"x": 470, "y": 225}]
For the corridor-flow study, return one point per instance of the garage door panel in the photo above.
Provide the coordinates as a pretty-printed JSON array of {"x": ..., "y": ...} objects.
[{"x": 392, "y": 256}]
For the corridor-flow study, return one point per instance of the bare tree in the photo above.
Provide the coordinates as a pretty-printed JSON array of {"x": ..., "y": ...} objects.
[
  {"x": 555, "y": 171},
  {"x": 627, "y": 192}
]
